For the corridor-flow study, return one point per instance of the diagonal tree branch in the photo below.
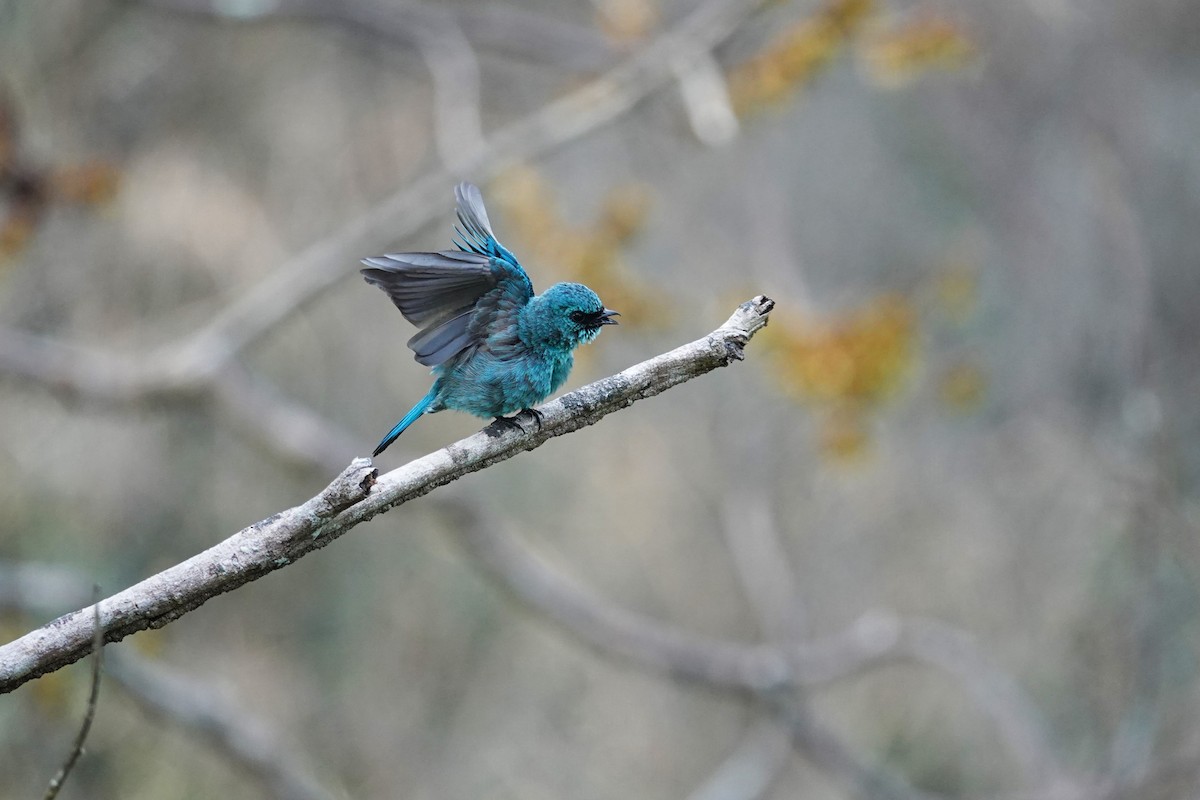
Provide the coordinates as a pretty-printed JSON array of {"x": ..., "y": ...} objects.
[{"x": 356, "y": 496}]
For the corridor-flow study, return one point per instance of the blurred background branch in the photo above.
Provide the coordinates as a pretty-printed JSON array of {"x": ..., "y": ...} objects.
[
  {"x": 770, "y": 670},
  {"x": 213, "y": 719},
  {"x": 193, "y": 360},
  {"x": 505, "y": 28},
  {"x": 937, "y": 541}
]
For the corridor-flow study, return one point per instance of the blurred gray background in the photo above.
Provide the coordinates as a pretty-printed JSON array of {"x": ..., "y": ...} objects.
[{"x": 972, "y": 424}]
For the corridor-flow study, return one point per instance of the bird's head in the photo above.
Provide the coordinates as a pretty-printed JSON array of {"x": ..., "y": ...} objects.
[{"x": 567, "y": 315}]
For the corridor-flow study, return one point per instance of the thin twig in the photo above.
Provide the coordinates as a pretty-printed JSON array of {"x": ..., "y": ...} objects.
[
  {"x": 356, "y": 496},
  {"x": 58, "y": 780}
]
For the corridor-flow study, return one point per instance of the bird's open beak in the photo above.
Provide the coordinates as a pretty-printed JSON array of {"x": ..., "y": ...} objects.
[{"x": 606, "y": 316}]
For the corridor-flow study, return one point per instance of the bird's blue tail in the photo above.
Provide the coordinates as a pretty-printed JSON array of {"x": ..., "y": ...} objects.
[{"x": 409, "y": 419}]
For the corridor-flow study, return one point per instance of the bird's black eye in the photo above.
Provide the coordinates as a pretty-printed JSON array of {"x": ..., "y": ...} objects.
[{"x": 578, "y": 317}]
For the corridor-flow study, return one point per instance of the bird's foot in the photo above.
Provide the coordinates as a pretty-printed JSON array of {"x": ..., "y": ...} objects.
[{"x": 502, "y": 424}]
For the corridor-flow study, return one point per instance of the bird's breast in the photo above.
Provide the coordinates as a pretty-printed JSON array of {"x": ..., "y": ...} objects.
[{"x": 501, "y": 380}]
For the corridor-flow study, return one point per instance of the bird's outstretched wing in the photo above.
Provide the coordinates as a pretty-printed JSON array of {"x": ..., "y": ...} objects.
[{"x": 441, "y": 292}]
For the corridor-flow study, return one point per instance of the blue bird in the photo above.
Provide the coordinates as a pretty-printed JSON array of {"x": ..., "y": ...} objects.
[{"x": 495, "y": 347}]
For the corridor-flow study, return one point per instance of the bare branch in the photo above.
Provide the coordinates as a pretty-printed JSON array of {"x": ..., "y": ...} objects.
[
  {"x": 354, "y": 497},
  {"x": 162, "y": 598}
]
